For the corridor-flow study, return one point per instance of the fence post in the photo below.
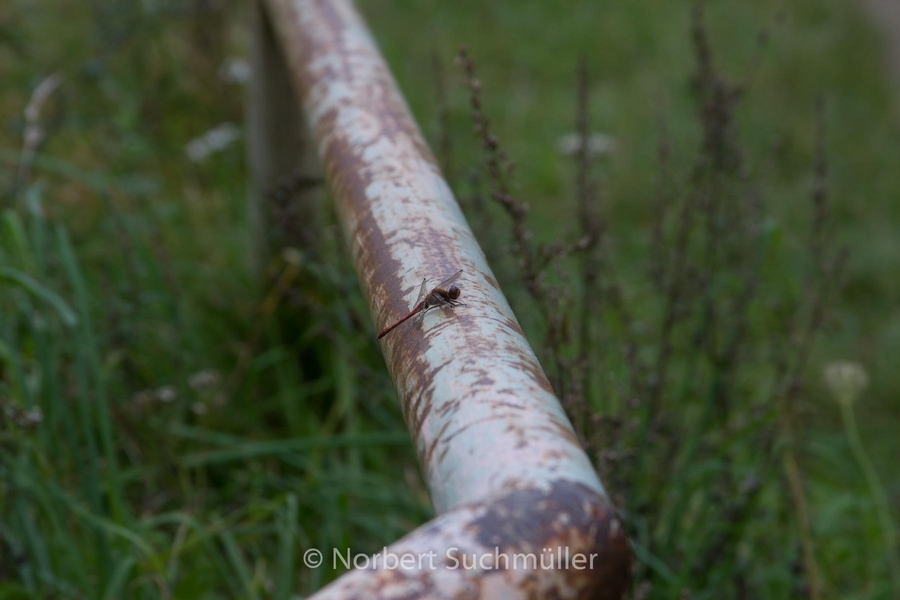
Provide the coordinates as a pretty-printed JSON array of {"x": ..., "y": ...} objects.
[
  {"x": 513, "y": 489},
  {"x": 279, "y": 148}
]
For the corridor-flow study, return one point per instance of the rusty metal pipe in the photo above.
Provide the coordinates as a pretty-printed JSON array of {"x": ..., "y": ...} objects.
[{"x": 504, "y": 467}]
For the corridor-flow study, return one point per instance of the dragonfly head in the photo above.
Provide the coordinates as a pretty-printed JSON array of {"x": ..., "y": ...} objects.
[{"x": 453, "y": 292}]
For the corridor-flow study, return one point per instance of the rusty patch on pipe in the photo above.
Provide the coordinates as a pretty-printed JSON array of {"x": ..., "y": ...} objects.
[
  {"x": 562, "y": 541},
  {"x": 568, "y": 516}
]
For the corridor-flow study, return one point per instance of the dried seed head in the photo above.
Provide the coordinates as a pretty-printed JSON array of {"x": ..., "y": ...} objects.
[{"x": 846, "y": 380}]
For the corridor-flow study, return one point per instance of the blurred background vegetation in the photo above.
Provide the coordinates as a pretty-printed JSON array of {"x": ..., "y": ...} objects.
[{"x": 173, "y": 427}]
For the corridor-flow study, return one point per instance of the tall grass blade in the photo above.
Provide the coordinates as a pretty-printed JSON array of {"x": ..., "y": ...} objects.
[
  {"x": 40, "y": 291},
  {"x": 273, "y": 448},
  {"x": 287, "y": 534},
  {"x": 88, "y": 344},
  {"x": 239, "y": 566}
]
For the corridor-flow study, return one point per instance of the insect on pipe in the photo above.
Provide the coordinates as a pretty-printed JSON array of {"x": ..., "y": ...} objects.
[{"x": 443, "y": 294}]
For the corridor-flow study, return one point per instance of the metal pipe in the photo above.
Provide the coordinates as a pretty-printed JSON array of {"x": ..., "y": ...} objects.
[{"x": 506, "y": 472}]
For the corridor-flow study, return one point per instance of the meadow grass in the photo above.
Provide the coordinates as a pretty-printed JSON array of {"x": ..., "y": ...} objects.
[{"x": 172, "y": 427}]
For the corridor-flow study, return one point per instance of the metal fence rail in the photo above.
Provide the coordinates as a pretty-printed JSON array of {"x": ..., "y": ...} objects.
[{"x": 512, "y": 487}]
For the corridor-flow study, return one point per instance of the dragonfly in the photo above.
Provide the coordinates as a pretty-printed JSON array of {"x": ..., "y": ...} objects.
[{"x": 443, "y": 294}]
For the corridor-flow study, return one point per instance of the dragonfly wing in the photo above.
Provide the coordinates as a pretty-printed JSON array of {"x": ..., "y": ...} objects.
[
  {"x": 445, "y": 284},
  {"x": 422, "y": 291}
]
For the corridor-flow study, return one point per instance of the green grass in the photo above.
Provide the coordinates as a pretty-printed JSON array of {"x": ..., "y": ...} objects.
[{"x": 124, "y": 277}]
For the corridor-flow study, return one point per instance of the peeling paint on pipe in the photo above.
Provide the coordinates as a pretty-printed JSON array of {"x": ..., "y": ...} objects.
[{"x": 504, "y": 467}]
